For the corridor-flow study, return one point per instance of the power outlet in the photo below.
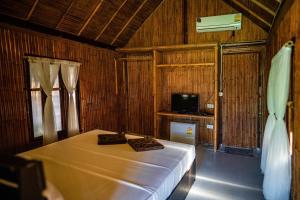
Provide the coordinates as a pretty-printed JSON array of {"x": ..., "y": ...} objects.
[
  {"x": 209, "y": 126},
  {"x": 210, "y": 106}
]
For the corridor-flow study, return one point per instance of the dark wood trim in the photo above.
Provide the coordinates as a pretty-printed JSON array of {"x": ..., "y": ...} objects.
[
  {"x": 282, "y": 10},
  {"x": 41, "y": 29},
  {"x": 250, "y": 14}
]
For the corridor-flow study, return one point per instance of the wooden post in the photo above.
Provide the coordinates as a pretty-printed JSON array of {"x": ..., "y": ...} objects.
[
  {"x": 116, "y": 75},
  {"x": 154, "y": 93},
  {"x": 216, "y": 95}
]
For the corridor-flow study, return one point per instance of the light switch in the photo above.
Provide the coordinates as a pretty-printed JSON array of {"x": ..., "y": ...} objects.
[
  {"x": 210, "y": 106},
  {"x": 210, "y": 126}
]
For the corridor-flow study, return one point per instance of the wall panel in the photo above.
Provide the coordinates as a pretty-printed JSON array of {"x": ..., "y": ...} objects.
[
  {"x": 139, "y": 97},
  {"x": 240, "y": 100},
  {"x": 99, "y": 103}
]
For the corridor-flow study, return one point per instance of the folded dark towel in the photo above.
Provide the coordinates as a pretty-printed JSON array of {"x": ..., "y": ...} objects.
[
  {"x": 144, "y": 144},
  {"x": 111, "y": 139}
]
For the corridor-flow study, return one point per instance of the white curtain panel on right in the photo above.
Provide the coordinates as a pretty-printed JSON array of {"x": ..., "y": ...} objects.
[
  {"x": 277, "y": 172},
  {"x": 70, "y": 73}
]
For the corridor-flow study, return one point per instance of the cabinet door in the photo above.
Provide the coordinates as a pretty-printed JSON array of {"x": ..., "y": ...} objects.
[{"x": 240, "y": 103}]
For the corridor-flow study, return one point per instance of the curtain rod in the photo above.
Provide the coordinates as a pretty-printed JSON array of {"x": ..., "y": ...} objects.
[
  {"x": 242, "y": 43},
  {"x": 54, "y": 59}
]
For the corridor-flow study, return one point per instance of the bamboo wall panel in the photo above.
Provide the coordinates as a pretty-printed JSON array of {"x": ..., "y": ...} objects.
[
  {"x": 140, "y": 99},
  {"x": 288, "y": 29},
  {"x": 99, "y": 103},
  {"x": 165, "y": 25},
  {"x": 240, "y": 100}
]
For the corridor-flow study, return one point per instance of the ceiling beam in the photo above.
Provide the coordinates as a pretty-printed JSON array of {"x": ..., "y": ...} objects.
[
  {"x": 90, "y": 17},
  {"x": 111, "y": 19},
  {"x": 63, "y": 16},
  {"x": 250, "y": 14},
  {"x": 128, "y": 22},
  {"x": 15, "y": 22},
  {"x": 31, "y": 10},
  {"x": 282, "y": 10},
  {"x": 259, "y": 4}
]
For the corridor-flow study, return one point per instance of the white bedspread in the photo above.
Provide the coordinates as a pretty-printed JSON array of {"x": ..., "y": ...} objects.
[{"x": 81, "y": 169}]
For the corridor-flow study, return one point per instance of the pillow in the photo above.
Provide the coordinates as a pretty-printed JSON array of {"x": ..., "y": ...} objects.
[{"x": 104, "y": 139}]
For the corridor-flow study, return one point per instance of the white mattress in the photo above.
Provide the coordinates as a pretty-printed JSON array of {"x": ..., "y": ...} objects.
[{"x": 81, "y": 169}]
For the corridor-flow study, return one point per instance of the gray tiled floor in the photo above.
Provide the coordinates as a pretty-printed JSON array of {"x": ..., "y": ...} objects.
[{"x": 222, "y": 176}]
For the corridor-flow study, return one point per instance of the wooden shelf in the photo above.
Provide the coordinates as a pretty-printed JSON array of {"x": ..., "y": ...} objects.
[
  {"x": 185, "y": 115},
  {"x": 187, "y": 65}
]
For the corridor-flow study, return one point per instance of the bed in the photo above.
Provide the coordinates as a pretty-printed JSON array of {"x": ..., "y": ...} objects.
[{"x": 81, "y": 169}]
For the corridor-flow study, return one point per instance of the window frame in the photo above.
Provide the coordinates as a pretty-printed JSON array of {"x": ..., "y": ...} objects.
[{"x": 37, "y": 141}]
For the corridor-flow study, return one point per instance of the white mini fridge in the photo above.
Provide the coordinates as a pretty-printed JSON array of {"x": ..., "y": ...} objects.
[{"x": 183, "y": 132}]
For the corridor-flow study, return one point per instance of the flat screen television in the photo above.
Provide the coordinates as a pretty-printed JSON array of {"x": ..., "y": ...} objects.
[{"x": 185, "y": 103}]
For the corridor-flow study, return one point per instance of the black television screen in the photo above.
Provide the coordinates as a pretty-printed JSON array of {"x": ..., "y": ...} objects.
[{"x": 185, "y": 103}]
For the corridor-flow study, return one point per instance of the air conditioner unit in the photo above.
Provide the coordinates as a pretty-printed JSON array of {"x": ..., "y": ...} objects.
[{"x": 219, "y": 23}]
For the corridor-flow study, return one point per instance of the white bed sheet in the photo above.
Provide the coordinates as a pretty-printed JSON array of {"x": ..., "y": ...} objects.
[{"x": 81, "y": 169}]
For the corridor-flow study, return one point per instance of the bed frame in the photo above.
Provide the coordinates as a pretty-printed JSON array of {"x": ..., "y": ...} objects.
[{"x": 183, "y": 187}]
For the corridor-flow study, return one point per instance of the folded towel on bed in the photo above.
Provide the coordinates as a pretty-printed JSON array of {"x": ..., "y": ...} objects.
[
  {"x": 111, "y": 139},
  {"x": 144, "y": 144}
]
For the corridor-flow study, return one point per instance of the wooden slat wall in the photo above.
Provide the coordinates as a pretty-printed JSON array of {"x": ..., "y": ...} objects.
[
  {"x": 99, "y": 103},
  {"x": 163, "y": 27},
  {"x": 240, "y": 100},
  {"x": 199, "y": 80},
  {"x": 168, "y": 22},
  {"x": 140, "y": 102},
  {"x": 289, "y": 28}
]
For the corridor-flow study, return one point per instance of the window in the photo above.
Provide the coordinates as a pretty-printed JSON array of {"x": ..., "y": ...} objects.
[{"x": 38, "y": 98}]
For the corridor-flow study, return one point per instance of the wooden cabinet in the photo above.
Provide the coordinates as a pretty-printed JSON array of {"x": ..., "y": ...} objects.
[{"x": 182, "y": 69}]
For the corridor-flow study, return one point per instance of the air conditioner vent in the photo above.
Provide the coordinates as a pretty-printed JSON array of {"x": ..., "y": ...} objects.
[{"x": 219, "y": 23}]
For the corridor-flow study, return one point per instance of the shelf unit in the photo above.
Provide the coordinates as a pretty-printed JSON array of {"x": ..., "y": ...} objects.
[
  {"x": 174, "y": 57},
  {"x": 185, "y": 115}
]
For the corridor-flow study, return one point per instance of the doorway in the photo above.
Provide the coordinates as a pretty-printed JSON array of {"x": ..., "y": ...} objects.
[{"x": 241, "y": 115}]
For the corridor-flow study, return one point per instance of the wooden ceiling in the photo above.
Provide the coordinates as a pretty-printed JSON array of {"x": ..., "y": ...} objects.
[
  {"x": 261, "y": 12},
  {"x": 111, "y": 22}
]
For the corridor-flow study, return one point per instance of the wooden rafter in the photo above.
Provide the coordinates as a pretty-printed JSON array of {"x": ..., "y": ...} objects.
[
  {"x": 128, "y": 22},
  {"x": 90, "y": 17},
  {"x": 111, "y": 19},
  {"x": 259, "y": 4},
  {"x": 281, "y": 11},
  {"x": 31, "y": 10},
  {"x": 250, "y": 14},
  {"x": 63, "y": 16}
]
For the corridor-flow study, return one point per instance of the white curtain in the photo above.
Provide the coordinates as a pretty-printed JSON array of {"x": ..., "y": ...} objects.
[
  {"x": 277, "y": 179},
  {"x": 46, "y": 72},
  {"x": 271, "y": 118},
  {"x": 70, "y": 72}
]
